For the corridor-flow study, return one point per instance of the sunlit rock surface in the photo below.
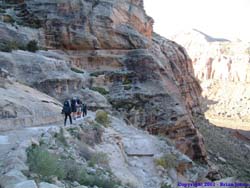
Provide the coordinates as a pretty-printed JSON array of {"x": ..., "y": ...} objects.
[{"x": 148, "y": 79}]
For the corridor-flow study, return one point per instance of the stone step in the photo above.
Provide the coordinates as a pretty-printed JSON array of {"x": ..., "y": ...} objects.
[
  {"x": 138, "y": 146},
  {"x": 139, "y": 155}
]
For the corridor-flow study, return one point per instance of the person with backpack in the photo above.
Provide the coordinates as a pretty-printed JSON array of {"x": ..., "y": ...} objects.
[
  {"x": 67, "y": 111},
  {"x": 84, "y": 109},
  {"x": 79, "y": 107},
  {"x": 73, "y": 107}
]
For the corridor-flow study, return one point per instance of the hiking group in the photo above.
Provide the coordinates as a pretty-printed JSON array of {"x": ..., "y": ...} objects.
[{"x": 74, "y": 107}]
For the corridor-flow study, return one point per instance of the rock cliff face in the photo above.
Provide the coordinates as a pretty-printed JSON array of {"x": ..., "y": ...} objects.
[
  {"x": 110, "y": 47},
  {"x": 223, "y": 68},
  {"x": 22, "y": 106}
]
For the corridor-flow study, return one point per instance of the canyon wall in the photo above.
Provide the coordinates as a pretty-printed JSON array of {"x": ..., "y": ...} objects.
[
  {"x": 106, "y": 47},
  {"x": 223, "y": 68}
]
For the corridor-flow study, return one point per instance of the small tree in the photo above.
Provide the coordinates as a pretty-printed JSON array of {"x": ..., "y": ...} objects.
[{"x": 32, "y": 46}]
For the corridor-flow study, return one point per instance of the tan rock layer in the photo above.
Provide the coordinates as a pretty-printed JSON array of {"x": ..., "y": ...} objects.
[{"x": 147, "y": 78}]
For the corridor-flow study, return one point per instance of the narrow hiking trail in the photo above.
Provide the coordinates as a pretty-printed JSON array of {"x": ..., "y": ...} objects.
[
  {"x": 132, "y": 154},
  {"x": 131, "y": 151},
  {"x": 12, "y": 139}
]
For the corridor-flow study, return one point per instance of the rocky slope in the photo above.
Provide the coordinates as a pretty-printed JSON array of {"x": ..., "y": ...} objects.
[
  {"x": 22, "y": 106},
  {"x": 106, "y": 154},
  {"x": 109, "y": 47},
  {"x": 223, "y": 68}
]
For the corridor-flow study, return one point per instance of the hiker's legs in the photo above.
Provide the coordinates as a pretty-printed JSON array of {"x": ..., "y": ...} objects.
[
  {"x": 65, "y": 119},
  {"x": 70, "y": 119}
]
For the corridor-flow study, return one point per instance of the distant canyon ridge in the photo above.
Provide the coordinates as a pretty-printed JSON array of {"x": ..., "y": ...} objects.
[{"x": 223, "y": 68}]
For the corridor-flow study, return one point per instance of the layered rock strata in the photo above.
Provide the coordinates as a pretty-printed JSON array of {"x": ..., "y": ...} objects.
[
  {"x": 223, "y": 69},
  {"x": 22, "y": 106},
  {"x": 147, "y": 78}
]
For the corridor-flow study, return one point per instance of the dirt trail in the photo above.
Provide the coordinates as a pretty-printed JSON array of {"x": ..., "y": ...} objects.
[{"x": 133, "y": 151}]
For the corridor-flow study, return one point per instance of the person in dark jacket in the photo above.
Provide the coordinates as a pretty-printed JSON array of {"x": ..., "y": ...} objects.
[
  {"x": 67, "y": 112},
  {"x": 84, "y": 109},
  {"x": 73, "y": 107}
]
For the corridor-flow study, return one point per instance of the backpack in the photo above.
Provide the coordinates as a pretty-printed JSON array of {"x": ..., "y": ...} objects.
[{"x": 66, "y": 107}]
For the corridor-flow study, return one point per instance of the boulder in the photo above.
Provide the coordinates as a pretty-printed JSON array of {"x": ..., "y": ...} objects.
[
  {"x": 22, "y": 106},
  {"x": 26, "y": 184},
  {"x": 11, "y": 178},
  {"x": 46, "y": 185}
]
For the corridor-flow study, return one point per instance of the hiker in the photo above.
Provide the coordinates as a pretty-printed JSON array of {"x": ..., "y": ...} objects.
[
  {"x": 79, "y": 107},
  {"x": 67, "y": 111},
  {"x": 84, "y": 109},
  {"x": 73, "y": 107}
]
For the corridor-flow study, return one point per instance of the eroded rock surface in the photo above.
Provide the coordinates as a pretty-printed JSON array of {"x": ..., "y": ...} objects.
[
  {"x": 22, "y": 106},
  {"x": 145, "y": 77},
  {"x": 130, "y": 153}
]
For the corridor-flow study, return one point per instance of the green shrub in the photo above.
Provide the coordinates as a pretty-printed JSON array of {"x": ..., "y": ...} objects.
[
  {"x": 167, "y": 161},
  {"x": 165, "y": 186},
  {"x": 8, "y": 46},
  {"x": 8, "y": 19},
  {"x": 76, "y": 70},
  {"x": 32, "y": 46},
  {"x": 73, "y": 170},
  {"x": 76, "y": 172},
  {"x": 102, "y": 118},
  {"x": 98, "y": 180},
  {"x": 100, "y": 159},
  {"x": 61, "y": 138},
  {"x": 91, "y": 135},
  {"x": 2, "y": 11},
  {"x": 84, "y": 151},
  {"x": 127, "y": 81},
  {"x": 101, "y": 90},
  {"x": 127, "y": 87},
  {"x": 45, "y": 164},
  {"x": 96, "y": 74},
  {"x": 13, "y": 45}
]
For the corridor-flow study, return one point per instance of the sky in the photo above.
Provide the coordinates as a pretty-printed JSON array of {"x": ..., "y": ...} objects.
[{"x": 218, "y": 18}]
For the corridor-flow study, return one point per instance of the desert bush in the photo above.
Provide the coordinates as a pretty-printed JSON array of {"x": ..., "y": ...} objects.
[
  {"x": 76, "y": 70},
  {"x": 102, "y": 118},
  {"x": 127, "y": 87},
  {"x": 98, "y": 73},
  {"x": 91, "y": 135},
  {"x": 61, "y": 138},
  {"x": 84, "y": 151},
  {"x": 45, "y": 164},
  {"x": 100, "y": 159},
  {"x": 167, "y": 161},
  {"x": 100, "y": 90},
  {"x": 74, "y": 131},
  {"x": 32, "y": 46},
  {"x": 165, "y": 186},
  {"x": 127, "y": 81},
  {"x": 8, "y": 46},
  {"x": 76, "y": 172},
  {"x": 73, "y": 170},
  {"x": 8, "y": 19},
  {"x": 98, "y": 180}
]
